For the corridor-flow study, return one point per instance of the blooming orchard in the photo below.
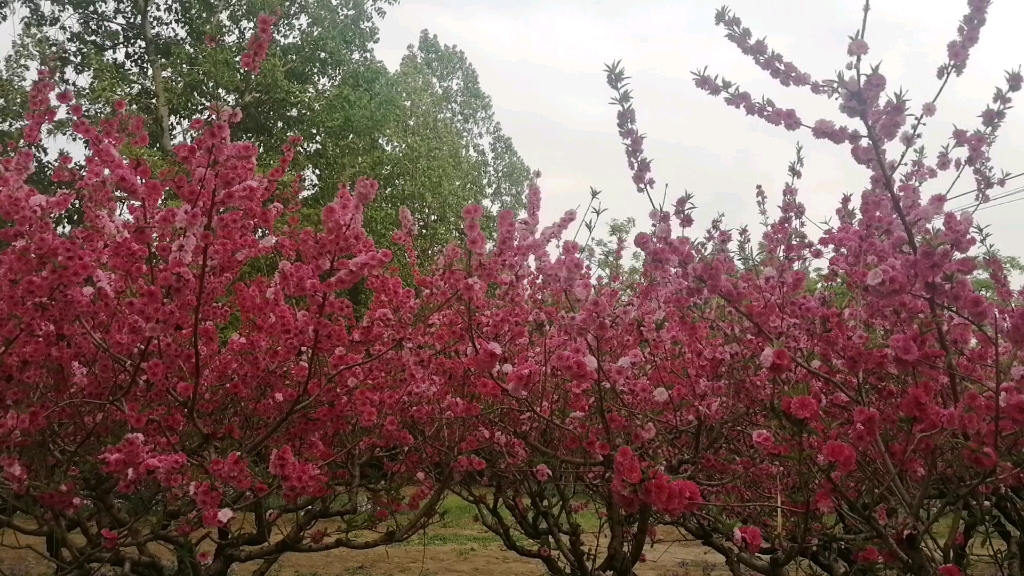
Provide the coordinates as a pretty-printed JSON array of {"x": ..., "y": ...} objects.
[{"x": 182, "y": 370}]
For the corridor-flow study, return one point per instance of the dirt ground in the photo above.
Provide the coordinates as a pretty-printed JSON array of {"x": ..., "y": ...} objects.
[
  {"x": 456, "y": 547},
  {"x": 681, "y": 559},
  {"x": 467, "y": 554}
]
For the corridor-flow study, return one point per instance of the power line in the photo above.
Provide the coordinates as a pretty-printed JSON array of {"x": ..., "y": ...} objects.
[
  {"x": 962, "y": 194},
  {"x": 1000, "y": 204},
  {"x": 1006, "y": 194},
  {"x": 976, "y": 205}
]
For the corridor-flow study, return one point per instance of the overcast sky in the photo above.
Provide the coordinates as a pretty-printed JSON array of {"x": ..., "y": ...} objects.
[{"x": 541, "y": 62}]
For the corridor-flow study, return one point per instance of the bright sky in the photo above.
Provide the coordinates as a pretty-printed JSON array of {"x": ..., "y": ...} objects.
[{"x": 541, "y": 62}]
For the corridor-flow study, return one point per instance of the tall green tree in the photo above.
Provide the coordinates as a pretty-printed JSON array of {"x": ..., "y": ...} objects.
[
  {"x": 426, "y": 131},
  {"x": 172, "y": 58},
  {"x": 446, "y": 72},
  {"x": 439, "y": 147}
]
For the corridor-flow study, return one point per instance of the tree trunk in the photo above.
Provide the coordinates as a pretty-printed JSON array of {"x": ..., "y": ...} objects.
[{"x": 162, "y": 112}]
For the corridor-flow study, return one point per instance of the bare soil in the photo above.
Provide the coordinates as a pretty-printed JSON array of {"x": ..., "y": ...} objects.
[{"x": 440, "y": 552}]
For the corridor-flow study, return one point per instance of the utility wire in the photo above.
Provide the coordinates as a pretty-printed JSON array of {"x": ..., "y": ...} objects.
[
  {"x": 1001, "y": 196},
  {"x": 1000, "y": 204},
  {"x": 962, "y": 194}
]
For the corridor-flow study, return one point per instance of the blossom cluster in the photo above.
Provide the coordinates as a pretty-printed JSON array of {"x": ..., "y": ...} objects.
[{"x": 259, "y": 44}]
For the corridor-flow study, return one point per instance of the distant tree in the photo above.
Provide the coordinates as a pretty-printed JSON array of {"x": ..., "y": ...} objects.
[{"x": 426, "y": 132}]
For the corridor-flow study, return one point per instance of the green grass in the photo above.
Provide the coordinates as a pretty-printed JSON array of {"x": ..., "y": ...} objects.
[
  {"x": 459, "y": 514},
  {"x": 460, "y": 527},
  {"x": 588, "y": 520},
  {"x": 433, "y": 539}
]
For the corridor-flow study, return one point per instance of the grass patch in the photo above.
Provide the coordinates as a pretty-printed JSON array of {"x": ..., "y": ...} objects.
[
  {"x": 435, "y": 539},
  {"x": 457, "y": 513}
]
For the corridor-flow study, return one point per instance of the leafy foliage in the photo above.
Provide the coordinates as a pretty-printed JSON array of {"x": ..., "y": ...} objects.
[{"x": 426, "y": 132}]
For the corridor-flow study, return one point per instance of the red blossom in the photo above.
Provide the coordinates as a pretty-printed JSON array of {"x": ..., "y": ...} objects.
[
  {"x": 842, "y": 455},
  {"x": 748, "y": 538},
  {"x": 627, "y": 466},
  {"x": 804, "y": 408},
  {"x": 259, "y": 44}
]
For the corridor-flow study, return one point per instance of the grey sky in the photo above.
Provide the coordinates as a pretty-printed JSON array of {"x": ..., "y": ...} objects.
[{"x": 541, "y": 62}]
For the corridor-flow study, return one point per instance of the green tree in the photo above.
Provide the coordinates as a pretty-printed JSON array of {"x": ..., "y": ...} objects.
[
  {"x": 611, "y": 256},
  {"x": 446, "y": 71},
  {"x": 427, "y": 131},
  {"x": 173, "y": 57}
]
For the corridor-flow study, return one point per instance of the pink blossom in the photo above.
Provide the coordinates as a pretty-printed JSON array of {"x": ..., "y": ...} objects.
[
  {"x": 843, "y": 455},
  {"x": 874, "y": 277},
  {"x": 903, "y": 347},
  {"x": 13, "y": 471},
  {"x": 224, "y": 515},
  {"x": 542, "y": 472},
  {"x": 776, "y": 360},
  {"x": 804, "y": 408},
  {"x": 869, "y": 555},
  {"x": 473, "y": 212},
  {"x": 627, "y": 466},
  {"x": 110, "y": 538},
  {"x": 763, "y": 439},
  {"x": 259, "y": 43},
  {"x": 748, "y": 538},
  {"x": 857, "y": 48},
  {"x": 66, "y": 96}
]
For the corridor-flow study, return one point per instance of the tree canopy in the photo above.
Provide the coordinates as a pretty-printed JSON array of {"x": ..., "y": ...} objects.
[{"x": 425, "y": 131}]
